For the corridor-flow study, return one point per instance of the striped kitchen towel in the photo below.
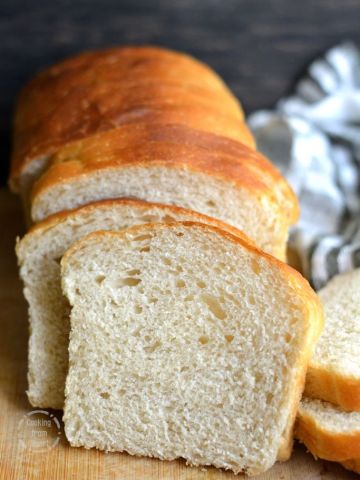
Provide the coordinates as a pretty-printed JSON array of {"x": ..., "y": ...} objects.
[{"x": 313, "y": 137}]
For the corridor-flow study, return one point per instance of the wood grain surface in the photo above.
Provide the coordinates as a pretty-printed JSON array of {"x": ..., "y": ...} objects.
[
  {"x": 258, "y": 46},
  {"x": 24, "y": 455}
]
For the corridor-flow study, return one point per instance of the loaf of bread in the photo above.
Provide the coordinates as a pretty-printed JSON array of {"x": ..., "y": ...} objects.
[
  {"x": 186, "y": 341},
  {"x": 334, "y": 370},
  {"x": 173, "y": 164},
  {"x": 329, "y": 432},
  {"x": 99, "y": 91},
  {"x": 148, "y": 123},
  {"x": 39, "y": 254}
]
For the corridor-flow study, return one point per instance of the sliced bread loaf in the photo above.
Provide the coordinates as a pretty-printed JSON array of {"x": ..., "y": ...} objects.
[
  {"x": 186, "y": 341},
  {"x": 334, "y": 370},
  {"x": 39, "y": 254},
  {"x": 329, "y": 432},
  {"x": 173, "y": 165}
]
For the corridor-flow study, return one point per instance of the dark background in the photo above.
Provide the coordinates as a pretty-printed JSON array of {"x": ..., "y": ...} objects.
[{"x": 258, "y": 46}]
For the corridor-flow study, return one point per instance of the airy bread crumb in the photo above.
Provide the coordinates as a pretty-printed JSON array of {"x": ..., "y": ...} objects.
[
  {"x": 39, "y": 254},
  {"x": 185, "y": 342},
  {"x": 334, "y": 370}
]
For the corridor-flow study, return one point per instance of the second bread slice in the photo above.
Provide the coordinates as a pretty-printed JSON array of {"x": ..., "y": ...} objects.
[
  {"x": 39, "y": 254},
  {"x": 176, "y": 165}
]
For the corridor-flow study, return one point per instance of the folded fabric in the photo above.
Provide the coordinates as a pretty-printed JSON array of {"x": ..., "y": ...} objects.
[{"x": 313, "y": 136}]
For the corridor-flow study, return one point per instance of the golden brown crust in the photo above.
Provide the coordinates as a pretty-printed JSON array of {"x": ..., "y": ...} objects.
[
  {"x": 337, "y": 447},
  {"x": 332, "y": 386},
  {"x": 101, "y": 90},
  {"x": 176, "y": 147},
  {"x": 353, "y": 464},
  {"x": 315, "y": 312},
  {"x": 120, "y": 63},
  {"x": 286, "y": 446},
  {"x": 51, "y": 137}
]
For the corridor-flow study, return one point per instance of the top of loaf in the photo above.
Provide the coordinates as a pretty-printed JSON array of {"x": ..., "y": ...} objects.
[{"x": 95, "y": 91}]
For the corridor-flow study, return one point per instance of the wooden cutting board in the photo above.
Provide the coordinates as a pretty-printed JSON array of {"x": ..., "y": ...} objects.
[{"x": 33, "y": 445}]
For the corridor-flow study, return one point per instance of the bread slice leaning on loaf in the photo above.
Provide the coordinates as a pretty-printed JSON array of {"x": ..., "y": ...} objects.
[
  {"x": 101, "y": 90},
  {"x": 177, "y": 165},
  {"x": 334, "y": 370},
  {"x": 39, "y": 254},
  {"x": 329, "y": 432},
  {"x": 186, "y": 341}
]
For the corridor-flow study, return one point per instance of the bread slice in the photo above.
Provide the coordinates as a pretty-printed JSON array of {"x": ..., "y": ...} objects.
[
  {"x": 329, "y": 433},
  {"x": 334, "y": 370},
  {"x": 101, "y": 90},
  {"x": 173, "y": 165},
  {"x": 185, "y": 341},
  {"x": 39, "y": 254}
]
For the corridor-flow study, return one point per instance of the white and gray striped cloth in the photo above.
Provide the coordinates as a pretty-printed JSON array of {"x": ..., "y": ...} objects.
[{"x": 314, "y": 138}]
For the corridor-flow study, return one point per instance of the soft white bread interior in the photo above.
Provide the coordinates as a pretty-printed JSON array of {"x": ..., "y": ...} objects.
[
  {"x": 193, "y": 190},
  {"x": 334, "y": 370},
  {"x": 39, "y": 254},
  {"x": 329, "y": 432},
  {"x": 176, "y": 165},
  {"x": 185, "y": 341}
]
